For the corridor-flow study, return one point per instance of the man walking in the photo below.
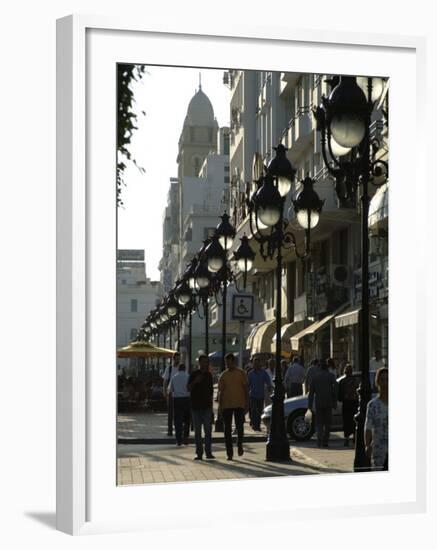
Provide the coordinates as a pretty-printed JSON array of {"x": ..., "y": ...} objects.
[
  {"x": 376, "y": 425},
  {"x": 181, "y": 405},
  {"x": 323, "y": 393},
  {"x": 312, "y": 371},
  {"x": 348, "y": 396},
  {"x": 233, "y": 402},
  {"x": 294, "y": 378},
  {"x": 201, "y": 390},
  {"x": 258, "y": 381},
  {"x": 169, "y": 372}
]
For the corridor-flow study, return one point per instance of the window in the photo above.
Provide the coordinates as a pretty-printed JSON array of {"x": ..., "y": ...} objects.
[
  {"x": 134, "y": 306},
  {"x": 208, "y": 232},
  {"x": 226, "y": 144},
  {"x": 133, "y": 333}
]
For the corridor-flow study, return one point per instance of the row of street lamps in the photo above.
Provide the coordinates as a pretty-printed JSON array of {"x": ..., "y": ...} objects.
[{"x": 343, "y": 120}]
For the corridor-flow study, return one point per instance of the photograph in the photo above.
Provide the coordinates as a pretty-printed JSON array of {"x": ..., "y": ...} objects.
[{"x": 252, "y": 295}]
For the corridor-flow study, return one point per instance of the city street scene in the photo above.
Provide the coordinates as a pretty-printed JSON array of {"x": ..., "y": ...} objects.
[{"x": 252, "y": 274}]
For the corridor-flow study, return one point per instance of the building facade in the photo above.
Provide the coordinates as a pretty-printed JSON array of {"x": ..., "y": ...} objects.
[
  {"x": 321, "y": 296},
  {"x": 137, "y": 295}
]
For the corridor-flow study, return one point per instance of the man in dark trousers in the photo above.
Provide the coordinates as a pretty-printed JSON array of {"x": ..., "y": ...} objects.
[
  {"x": 323, "y": 394},
  {"x": 201, "y": 390},
  {"x": 169, "y": 372}
]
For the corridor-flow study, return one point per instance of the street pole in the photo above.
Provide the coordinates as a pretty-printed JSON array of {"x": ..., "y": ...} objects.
[
  {"x": 278, "y": 448},
  {"x": 361, "y": 461},
  {"x": 178, "y": 321},
  {"x": 206, "y": 313},
  {"x": 241, "y": 349},
  {"x": 224, "y": 299},
  {"x": 190, "y": 344},
  {"x": 219, "y": 427}
]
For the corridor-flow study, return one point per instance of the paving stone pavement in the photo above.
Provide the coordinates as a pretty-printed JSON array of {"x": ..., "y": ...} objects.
[
  {"x": 141, "y": 464},
  {"x": 143, "y": 424}
]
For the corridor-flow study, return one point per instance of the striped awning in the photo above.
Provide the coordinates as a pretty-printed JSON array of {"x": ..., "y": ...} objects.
[
  {"x": 378, "y": 207},
  {"x": 262, "y": 338},
  {"x": 348, "y": 318},
  {"x": 315, "y": 327},
  {"x": 287, "y": 331}
]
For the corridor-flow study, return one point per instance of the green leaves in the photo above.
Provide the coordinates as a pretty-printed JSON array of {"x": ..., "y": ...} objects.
[{"x": 126, "y": 119}]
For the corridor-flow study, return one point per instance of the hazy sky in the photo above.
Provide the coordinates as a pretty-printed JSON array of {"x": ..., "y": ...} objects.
[{"x": 164, "y": 94}]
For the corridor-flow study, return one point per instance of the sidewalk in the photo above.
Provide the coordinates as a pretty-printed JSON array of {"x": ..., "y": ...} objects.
[
  {"x": 145, "y": 427},
  {"x": 139, "y": 464}
]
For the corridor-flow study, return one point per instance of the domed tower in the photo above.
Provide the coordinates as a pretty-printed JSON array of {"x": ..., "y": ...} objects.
[{"x": 198, "y": 136}]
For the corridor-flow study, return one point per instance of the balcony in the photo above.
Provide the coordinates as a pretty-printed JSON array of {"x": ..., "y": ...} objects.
[
  {"x": 288, "y": 83},
  {"x": 299, "y": 132}
]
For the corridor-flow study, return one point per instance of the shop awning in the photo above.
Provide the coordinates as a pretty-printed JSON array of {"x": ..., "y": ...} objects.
[
  {"x": 262, "y": 339},
  {"x": 378, "y": 207},
  {"x": 251, "y": 336},
  {"x": 287, "y": 331},
  {"x": 348, "y": 318},
  {"x": 315, "y": 327}
]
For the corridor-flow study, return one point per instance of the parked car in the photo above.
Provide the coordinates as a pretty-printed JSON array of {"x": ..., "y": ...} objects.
[{"x": 294, "y": 412}]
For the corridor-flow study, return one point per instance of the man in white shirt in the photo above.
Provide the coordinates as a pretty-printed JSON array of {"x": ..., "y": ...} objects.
[
  {"x": 294, "y": 378},
  {"x": 170, "y": 371},
  {"x": 377, "y": 362},
  {"x": 181, "y": 405}
]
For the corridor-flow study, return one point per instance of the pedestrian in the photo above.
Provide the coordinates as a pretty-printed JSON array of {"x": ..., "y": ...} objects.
[
  {"x": 271, "y": 371},
  {"x": 332, "y": 367},
  {"x": 201, "y": 390},
  {"x": 294, "y": 378},
  {"x": 376, "y": 424},
  {"x": 233, "y": 402},
  {"x": 313, "y": 369},
  {"x": 181, "y": 405},
  {"x": 169, "y": 372},
  {"x": 348, "y": 396},
  {"x": 259, "y": 380},
  {"x": 323, "y": 393},
  {"x": 377, "y": 362},
  {"x": 284, "y": 367}
]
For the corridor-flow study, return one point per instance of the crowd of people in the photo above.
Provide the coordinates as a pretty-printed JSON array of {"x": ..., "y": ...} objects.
[{"x": 247, "y": 391}]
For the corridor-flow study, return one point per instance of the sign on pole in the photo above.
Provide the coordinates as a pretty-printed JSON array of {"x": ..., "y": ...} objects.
[{"x": 242, "y": 307}]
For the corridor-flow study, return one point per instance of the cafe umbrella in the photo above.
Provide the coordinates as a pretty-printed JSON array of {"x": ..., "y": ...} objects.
[{"x": 144, "y": 349}]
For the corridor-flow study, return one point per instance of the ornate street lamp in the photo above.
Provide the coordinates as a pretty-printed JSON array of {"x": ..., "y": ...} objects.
[
  {"x": 244, "y": 256},
  {"x": 270, "y": 230},
  {"x": 225, "y": 232},
  {"x": 217, "y": 261},
  {"x": 345, "y": 117}
]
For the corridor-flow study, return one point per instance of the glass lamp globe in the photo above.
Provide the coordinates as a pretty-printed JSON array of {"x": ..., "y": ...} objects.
[
  {"x": 348, "y": 130},
  {"x": 338, "y": 150},
  {"x": 226, "y": 241},
  {"x": 172, "y": 310},
  {"x": 245, "y": 264},
  {"x": 284, "y": 185},
  {"x": 202, "y": 281},
  {"x": 192, "y": 282},
  {"x": 183, "y": 298},
  {"x": 269, "y": 216},
  {"x": 308, "y": 219},
  {"x": 377, "y": 86},
  {"x": 215, "y": 263}
]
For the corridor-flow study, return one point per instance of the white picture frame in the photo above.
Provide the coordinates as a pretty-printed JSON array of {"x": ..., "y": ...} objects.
[{"x": 85, "y": 501}]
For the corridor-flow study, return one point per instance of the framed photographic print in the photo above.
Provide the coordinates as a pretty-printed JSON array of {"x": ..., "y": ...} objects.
[{"x": 208, "y": 179}]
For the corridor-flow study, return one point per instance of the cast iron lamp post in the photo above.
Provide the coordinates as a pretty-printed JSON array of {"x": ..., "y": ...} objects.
[
  {"x": 344, "y": 120},
  {"x": 270, "y": 230},
  {"x": 217, "y": 261}
]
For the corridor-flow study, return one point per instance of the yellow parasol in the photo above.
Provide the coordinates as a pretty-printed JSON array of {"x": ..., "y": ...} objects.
[{"x": 144, "y": 349}]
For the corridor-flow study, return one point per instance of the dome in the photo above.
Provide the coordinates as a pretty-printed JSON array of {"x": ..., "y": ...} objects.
[{"x": 200, "y": 111}]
